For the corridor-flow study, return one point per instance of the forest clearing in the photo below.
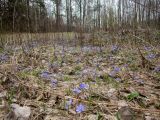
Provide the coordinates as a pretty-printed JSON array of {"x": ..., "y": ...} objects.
[{"x": 80, "y": 60}]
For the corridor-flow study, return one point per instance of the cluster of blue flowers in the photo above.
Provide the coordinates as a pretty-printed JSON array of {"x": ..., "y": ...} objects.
[
  {"x": 81, "y": 87},
  {"x": 150, "y": 55},
  {"x": 80, "y": 107},
  {"x": 46, "y": 75},
  {"x": 114, "y": 71}
]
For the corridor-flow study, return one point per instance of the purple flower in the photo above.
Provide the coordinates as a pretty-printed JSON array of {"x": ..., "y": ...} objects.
[
  {"x": 151, "y": 56},
  {"x": 80, "y": 108},
  {"x": 114, "y": 48},
  {"x": 83, "y": 86},
  {"x": 68, "y": 103},
  {"x": 45, "y": 74},
  {"x": 4, "y": 57},
  {"x": 157, "y": 69},
  {"x": 117, "y": 69},
  {"x": 118, "y": 79},
  {"x": 76, "y": 90},
  {"x": 54, "y": 83},
  {"x": 147, "y": 48}
]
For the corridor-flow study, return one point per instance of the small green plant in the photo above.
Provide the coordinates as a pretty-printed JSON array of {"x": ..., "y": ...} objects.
[
  {"x": 66, "y": 78},
  {"x": 77, "y": 68},
  {"x": 10, "y": 96},
  {"x": 110, "y": 80},
  {"x": 99, "y": 116},
  {"x": 157, "y": 105},
  {"x": 25, "y": 74},
  {"x": 68, "y": 91},
  {"x": 132, "y": 96},
  {"x": 1, "y": 50},
  {"x": 35, "y": 72}
]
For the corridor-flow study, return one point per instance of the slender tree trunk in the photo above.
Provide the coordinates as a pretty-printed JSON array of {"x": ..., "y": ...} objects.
[
  {"x": 14, "y": 12},
  {"x": 28, "y": 17}
]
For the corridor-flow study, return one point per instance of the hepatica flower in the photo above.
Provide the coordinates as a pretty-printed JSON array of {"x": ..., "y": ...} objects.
[
  {"x": 45, "y": 74},
  {"x": 83, "y": 86},
  {"x": 54, "y": 83},
  {"x": 4, "y": 57},
  {"x": 114, "y": 48},
  {"x": 118, "y": 79},
  {"x": 76, "y": 90},
  {"x": 157, "y": 69},
  {"x": 151, "y": 56},
  {"x": 80, "y": 108},
  {"x": 117, "y": 69},
  {"x": 147, "y": 48}
]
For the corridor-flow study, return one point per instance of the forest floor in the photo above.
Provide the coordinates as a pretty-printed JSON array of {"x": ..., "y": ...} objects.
[{"x": 86, "y": 83}]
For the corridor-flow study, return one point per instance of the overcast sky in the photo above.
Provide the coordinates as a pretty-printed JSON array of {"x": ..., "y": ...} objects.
[{"x": 50, "y": 5}]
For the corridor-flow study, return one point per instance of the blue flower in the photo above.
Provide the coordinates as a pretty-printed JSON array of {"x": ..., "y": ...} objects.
[
  {"x": 118, "y": 79},
  {"x": 114, "y": 72},
  {"x": 114, "y": 48},
  {"x": 68, "y": 103},
  {"x": 45, "y": 74},
  {"x": 80, "y": 108},
  {"x": 117, "y": 69},
  {"x": 147, "y": 48},
  {"x": 151, "y": 56},
  {"x": 54, "y": 83},
  {"x": 83, "y": 86},
  {"x": 4, "y": 57},
  {"x": 157, "y": 69},
  {"x": 76, "y": 90}
]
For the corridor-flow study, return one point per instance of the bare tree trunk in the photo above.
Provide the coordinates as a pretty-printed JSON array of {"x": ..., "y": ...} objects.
[
  {"x": 28, "y": 18},
  {"x": 71, "y": 19},
  {"x": 58, "y": 2},
  {"x": 119, "y": 12},
  {"x": 14, "y": 12},
  {"x": 99, "y": 13},
  {"x": 80, "y": 7},
  {"x": 84, "y": 12},
  {"x": 67, "y": 14}
]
